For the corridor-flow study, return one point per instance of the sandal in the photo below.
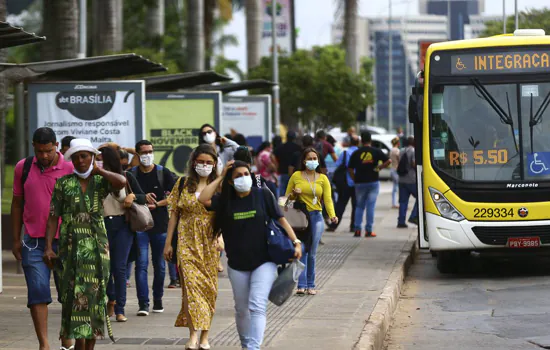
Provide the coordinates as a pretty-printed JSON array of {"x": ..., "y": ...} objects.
[
  {"x": 311, "y": 292},
  {"x": 69, "y": 348},
  {"x": 300, "y": 291}
]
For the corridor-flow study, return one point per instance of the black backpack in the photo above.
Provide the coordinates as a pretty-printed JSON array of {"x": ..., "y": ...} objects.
[
  {"x": 26, "y": 170},
  {"x": 404, "y": 166},
  {"x": 340, "y": 177}
]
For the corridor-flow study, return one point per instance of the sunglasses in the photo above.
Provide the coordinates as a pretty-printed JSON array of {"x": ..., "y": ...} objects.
[{"x": 207, "y": 132}]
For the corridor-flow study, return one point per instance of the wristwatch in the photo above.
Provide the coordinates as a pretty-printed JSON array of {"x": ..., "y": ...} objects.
[{"x": 296, "y": 241}]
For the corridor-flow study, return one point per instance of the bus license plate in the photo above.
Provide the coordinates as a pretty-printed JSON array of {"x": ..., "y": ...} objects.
[{"x": 524, "y": 242}]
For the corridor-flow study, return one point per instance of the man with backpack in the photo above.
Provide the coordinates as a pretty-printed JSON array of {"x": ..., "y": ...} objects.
[
  {"x": 407, "y": 184},
  {"x": 33, "y": 183},
  {"x": 156, "y": 181},
  {"x": 344, "y": 184}
]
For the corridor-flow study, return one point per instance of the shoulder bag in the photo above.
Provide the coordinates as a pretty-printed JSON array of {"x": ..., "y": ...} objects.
[
  {"x": 174, "y": 242},
  {"x": 279, "y": 246},
  {"x": 138, "y": 215}
]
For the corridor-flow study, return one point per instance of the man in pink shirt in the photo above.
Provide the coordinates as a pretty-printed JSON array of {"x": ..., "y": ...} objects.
[{"x": 30, "y": 208}]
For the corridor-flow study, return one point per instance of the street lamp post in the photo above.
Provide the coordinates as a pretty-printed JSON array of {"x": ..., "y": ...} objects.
[
  {"x": 390, "y": 70},
  {"x": 276, "y": 103},
  {"x": 83, "y": 14},
  {"x": 503, "y": 16}
]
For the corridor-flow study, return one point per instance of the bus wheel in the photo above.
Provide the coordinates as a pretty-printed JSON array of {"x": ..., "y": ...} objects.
[{"x": 447, "y": 262}]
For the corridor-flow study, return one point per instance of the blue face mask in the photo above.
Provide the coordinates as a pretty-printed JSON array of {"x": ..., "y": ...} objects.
[{"x": 312, "y": 164}]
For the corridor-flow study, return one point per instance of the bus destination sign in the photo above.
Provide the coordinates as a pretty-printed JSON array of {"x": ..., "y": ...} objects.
[{"x": 501, "y": 62}]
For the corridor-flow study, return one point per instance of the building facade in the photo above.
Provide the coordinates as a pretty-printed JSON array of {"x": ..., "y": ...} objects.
[{"x": 459, "y": 12}]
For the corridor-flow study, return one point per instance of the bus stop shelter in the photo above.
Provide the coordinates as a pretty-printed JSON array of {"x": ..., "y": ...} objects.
[
  {"x": 238, "y": 86},
  {"x": 80, "y": 69},
  {"x": 174, "y": 82},
  {"x": 11, "y": 36}
]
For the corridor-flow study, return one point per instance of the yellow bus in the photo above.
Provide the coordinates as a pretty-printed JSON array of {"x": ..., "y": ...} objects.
[{"x": 482, "y": 126}]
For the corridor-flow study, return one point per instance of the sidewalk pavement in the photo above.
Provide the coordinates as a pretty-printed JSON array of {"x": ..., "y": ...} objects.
[{"x": 352, "y": 274}]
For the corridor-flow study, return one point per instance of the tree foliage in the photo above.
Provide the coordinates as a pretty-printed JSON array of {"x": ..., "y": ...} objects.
[
  {"x": 317, "y": 86},
  {"x": 531, "y": 19}
]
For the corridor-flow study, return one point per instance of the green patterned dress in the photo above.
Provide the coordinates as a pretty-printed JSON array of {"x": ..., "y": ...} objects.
[{"x": 84, "y": 255}]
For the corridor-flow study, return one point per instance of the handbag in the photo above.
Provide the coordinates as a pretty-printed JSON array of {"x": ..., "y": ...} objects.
[
  {"x": 340, "y": 177},
  {"x": 138, "y": 215},
  {"x": 279, "y": 246},
  {"x": 284, "y": 285},
  {"x": 174, "y": 242},
  {"x": 296, "y": 218}
]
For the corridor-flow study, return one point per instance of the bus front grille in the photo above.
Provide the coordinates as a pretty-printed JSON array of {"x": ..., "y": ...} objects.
[{"x": 498, "y": 235}]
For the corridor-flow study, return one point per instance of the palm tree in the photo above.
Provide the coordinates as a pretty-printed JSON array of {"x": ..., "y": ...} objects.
[
  {"x": 156, "y": 22},
  {"x": 108, "y": 32},
  {"x": 3, "y": 101},
  {"x": 195, "y": 35},
  {"x": 253, "y": 10},
  {"x": 60, "y": 26},
  {"x": 351, "y": 9}
]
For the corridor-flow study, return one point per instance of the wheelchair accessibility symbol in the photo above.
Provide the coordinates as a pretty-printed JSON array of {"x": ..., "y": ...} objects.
[
  {"x": 537, "y": 163},
  {"x": 459, "y": 64}
]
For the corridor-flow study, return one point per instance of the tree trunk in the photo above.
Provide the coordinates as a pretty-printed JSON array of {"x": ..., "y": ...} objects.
[
  {"x": 350, "y": 34},
  {"x": 156, "y": 23},
  {"x": 3, "y": 105},
  {"x": 195, "y": 35},
  {"x": 108, "y": 32},
  {"x": 253, "y": 32},
  {"x": 209, "y": 14},
  {"x": 60, "y": 26}
]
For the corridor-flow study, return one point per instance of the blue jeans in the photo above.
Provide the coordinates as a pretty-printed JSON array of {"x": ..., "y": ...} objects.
[
  {"x": 156, "y": 240},
  {"x": 173, "y": 272},
  {"x": 405, "y": 191},
  {"x": 395, "y": 188},
  {"x": 37, "y": 273},
  {"x": 120, "y": 242},
  {"x": 366, "y": 195},
  {"x": 307, "y": 278},
  {"x": 250, "y": 292},
  {"x": 283, "y": 184}
]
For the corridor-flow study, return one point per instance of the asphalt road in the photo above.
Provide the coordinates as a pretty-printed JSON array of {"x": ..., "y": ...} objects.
[{"x": 491, "y": 304}]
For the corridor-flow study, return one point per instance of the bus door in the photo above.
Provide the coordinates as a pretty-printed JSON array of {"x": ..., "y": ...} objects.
[{"x": 416, "y": 105}]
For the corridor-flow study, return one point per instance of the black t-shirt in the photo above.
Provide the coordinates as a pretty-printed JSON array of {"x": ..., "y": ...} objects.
[
  {"x": 244, "y": 228},
  {"x": 149, "y": 183},
  {"x": 255, "y": 178},
  {"x": 285, "y": 155},
  {"x": 297, "y": 157},
  {"x": 363, "y": 161}
]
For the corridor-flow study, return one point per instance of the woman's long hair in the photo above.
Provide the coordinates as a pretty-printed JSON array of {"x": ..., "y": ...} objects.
[
  {"x": 111, "y": 161},
  {"x": 263, "y": 146},
  {"x": 303, "y": 159},
  {"x": 218, "y": 137},
  {"x": 228, "y": 193},
  {"x": 192, "y": 177}
]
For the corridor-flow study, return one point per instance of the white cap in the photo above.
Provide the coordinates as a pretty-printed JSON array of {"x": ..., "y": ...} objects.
[{"x": 79, "y": 145}]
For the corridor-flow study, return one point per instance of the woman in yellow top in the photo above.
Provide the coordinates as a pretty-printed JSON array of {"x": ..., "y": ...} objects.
[{"x": 312, "y": 188}]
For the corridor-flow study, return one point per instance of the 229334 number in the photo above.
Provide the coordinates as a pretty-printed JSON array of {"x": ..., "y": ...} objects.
[{"x": 493, "y": 212}]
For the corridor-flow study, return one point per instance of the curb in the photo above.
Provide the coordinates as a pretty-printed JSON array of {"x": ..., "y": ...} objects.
[{"x": 374, "y": 333}]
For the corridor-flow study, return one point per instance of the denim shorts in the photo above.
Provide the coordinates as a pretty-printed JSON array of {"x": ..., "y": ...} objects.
[{"x": 37, "y": 273}]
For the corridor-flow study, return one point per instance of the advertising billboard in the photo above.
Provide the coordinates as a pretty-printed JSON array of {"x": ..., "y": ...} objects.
[
  {"x": 107, "y": 111},
  {"x": 173, "y": 122},
  {"x": 283, "y": 24},
  {"x": 248, "y": 115}
]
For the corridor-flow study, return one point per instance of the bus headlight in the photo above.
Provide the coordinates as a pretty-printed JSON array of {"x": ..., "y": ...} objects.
[{"x": 445, "y": 208}]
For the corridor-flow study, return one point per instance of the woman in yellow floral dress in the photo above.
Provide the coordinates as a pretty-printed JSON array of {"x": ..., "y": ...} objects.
[{"x": 197, "y": 249}]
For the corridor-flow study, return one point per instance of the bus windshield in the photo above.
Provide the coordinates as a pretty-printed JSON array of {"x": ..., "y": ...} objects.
[{"x": 492, "y": 132}]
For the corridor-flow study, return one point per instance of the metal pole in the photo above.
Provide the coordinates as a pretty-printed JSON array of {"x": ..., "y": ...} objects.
[
  {"x": 503, "y": 16},
  {"x": 276, "y": 103},
  {"x": 21, "y": 145},
  {"x": 517, "y": 14},
  {"x": 83, "y": 29},
  {"x": 449, "y": 20},
  {"x": 404, "y": 38},
  {"x": 390, "y": 72}
]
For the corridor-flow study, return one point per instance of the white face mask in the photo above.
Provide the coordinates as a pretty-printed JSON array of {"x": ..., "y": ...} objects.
[
  {"x": 210, "y": 138},
  {"x": 242, "y": 184},
  {"x": 204, "y": 170},
  {"x": 86, "y": 174},
  {"x": 147, "y": 159}
]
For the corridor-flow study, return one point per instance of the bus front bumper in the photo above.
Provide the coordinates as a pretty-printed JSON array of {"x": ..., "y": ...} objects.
[{"x": 446, "y": 234}]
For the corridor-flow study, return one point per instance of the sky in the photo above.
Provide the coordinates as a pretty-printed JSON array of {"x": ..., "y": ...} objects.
[{"x": 314, "y": 19}]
